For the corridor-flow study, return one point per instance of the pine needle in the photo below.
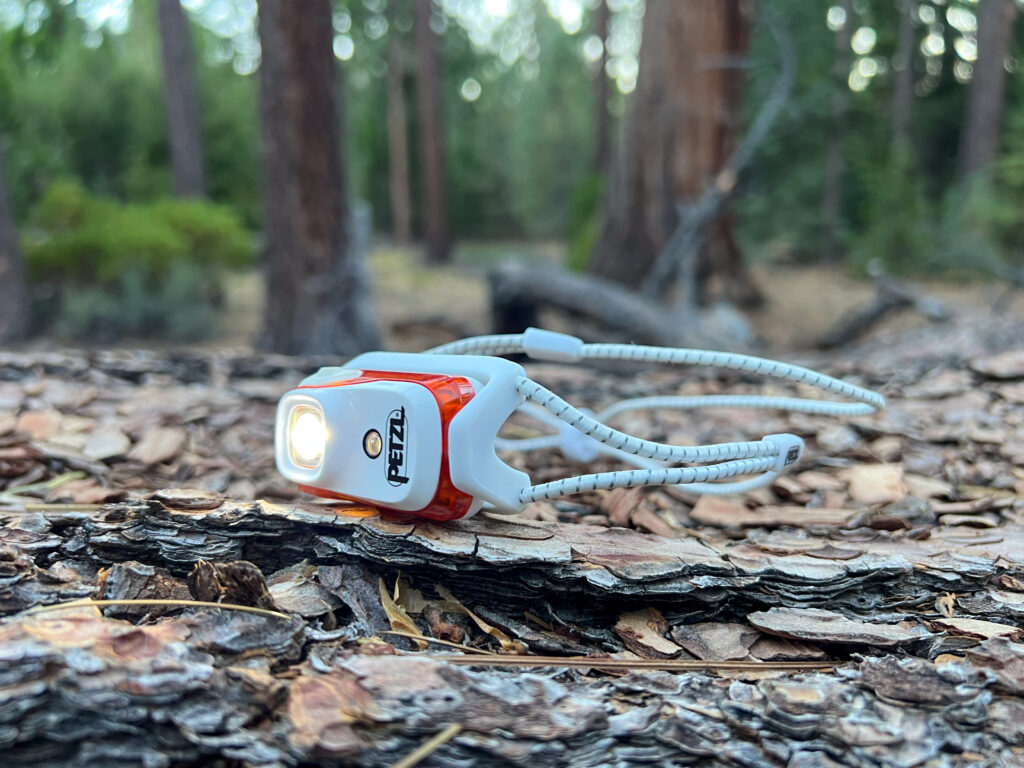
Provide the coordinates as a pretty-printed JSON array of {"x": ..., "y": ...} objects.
[
  {"x": 10, "y": 496},
  {"x": 672, "y": 665},
  {"x": 89, "y": 603},
  {"x": 439, "y": 641},
  {"x": 428, "y": 747}
]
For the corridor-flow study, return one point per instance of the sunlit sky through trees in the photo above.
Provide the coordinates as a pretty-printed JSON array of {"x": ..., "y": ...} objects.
[
  {"x": 506, "y": 29},
  {"x": 503, "y": 28}
]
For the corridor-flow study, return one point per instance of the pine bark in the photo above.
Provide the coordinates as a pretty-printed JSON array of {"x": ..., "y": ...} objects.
[
  {"x": 317, "y": 296},
  {"x": 432, "y": 152},
  {"x": 398, "y": 138},
  {"x": 832, "y": 197},
  {"x": 182, "y": 100},
  {"x": 979, "y": 136},
  {"x": 683, "y": 125},
  {"x": 13, "y": 299}
]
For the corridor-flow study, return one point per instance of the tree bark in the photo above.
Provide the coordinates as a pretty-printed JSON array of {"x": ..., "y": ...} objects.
[
  {"x": 398, "y": 137},
  {"x": 432, "y": 153},
  {"x": 682, "y": 129},
  {"x": 832, "y": 197},
  {"x": 602, "y": 118},
  {"x": 317, "y": 297},
  {"x": 13, "y": 299},
  {"x": 903, "y": 93},
  {"x": 181, "y": 97},
  {"x": 876, "y": 674},
  {"x": 979, "y": 136}
]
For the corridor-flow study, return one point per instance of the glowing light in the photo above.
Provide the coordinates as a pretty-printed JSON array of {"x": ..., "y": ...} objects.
[
  {"x": 961, "y": 19},
  {"x": 857, "y": 81},
  {"x": 966, "y": 48},
  {"x": 496, "y": 7},
  {"x": 471, "y": 89},
  {"x": 592, "y": 48},
  {"x": 836, "y": 18},
  {"x": 863, "y": 40},
  {"x": 342, "y": 21},
  {"x": 344, "y": 47},
  {"x": 933, "y": 45},
  {"x": 376, "y": 27},
  {"x": 925, "y": 14},
  {"x": 963, "y": 71},
  {"x": 867, "y": 67},
  {"x": 308, "y": 437},
  {"x": 570, "y": 13}
]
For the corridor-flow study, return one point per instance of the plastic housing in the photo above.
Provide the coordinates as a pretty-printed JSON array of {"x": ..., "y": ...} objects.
[{"x": 454, "y": 406}]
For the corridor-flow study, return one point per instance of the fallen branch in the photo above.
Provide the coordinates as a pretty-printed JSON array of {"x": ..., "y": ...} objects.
[
  {"x": 519, "y": 291},
  {"x": 891, "y": 296}
]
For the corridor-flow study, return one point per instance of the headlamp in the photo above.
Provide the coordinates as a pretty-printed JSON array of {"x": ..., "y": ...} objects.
[{"x": 418, "y": 433}]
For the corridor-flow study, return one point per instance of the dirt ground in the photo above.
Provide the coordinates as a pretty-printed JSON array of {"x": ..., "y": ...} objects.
[{"x": 420, "y": 306}]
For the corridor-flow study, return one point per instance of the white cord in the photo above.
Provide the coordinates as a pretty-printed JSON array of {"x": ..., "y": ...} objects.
[
  {"x": 634, "y": 477},
  {"x": 769, "y": 456}
]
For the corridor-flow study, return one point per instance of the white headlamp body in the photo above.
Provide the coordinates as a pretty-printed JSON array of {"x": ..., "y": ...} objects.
[{"x": 436, "y": 418}]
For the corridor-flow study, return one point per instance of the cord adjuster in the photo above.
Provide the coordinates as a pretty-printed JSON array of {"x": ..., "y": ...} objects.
[
  {"x": 539, "y": 344},
  {"x": 790, "y": 449}
]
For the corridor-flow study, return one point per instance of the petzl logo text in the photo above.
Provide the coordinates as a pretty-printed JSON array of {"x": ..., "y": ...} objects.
[{"x": 396, "y": 447}]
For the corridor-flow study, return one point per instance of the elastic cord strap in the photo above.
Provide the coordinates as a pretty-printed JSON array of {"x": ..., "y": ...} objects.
[{"x": 768, "y": 456}]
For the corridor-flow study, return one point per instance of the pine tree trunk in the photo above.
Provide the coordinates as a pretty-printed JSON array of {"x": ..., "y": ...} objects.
[
  {"x": 832, "y": 197},
  {"x": 683, "y": 125},
  {"x": 979, "y": 136},
  {"x": 180, "y": 94},
  {"x": 903, "y": 93},
  {"x": 317, "y": 297},
  {"x": 428, "y": 91},
  {"x": 602, "y": 118},
  {"x": 398, "y": 138},
  {"x": 13, "y": 301}
]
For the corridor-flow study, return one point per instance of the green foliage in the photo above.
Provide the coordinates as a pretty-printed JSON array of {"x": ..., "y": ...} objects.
[
  {"x": 126, "y": 269},
  {"x": 897, "y": 229},
  {"x": 584, "y": 222},
  {"x": 95, "y": 112}
]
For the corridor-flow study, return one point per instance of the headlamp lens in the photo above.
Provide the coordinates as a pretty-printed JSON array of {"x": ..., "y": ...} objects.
[{"x": 307, "y": 436}]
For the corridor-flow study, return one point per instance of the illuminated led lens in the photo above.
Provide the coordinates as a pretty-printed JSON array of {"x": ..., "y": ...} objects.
[{"x": 307, "y": 436}]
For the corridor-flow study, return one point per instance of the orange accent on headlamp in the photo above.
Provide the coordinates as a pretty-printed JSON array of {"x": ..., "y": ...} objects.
[{"x": 451, "y": 393}]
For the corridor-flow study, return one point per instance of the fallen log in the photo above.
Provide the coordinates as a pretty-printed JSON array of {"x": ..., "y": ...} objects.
[
  {"x": 520, "y": 292},
  {"x": 315, "y": 675}
]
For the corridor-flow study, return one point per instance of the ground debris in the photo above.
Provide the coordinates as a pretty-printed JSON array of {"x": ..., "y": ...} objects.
[{"x": 895, "y": 554}]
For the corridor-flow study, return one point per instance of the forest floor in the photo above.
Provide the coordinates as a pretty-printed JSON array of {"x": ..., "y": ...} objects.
[
  {"x": 802, "y": 301},
  {"x": 888, "y": 567}
]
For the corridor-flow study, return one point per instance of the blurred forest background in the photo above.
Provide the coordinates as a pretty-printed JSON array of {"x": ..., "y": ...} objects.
[{"x": 160, "y": 161}]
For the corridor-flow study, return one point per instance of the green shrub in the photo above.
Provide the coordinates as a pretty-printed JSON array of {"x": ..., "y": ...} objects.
[
  {"x": 105, "y": 269},
  {"x": 584, "y": 221},
  {"x": 898, "y": 227}
]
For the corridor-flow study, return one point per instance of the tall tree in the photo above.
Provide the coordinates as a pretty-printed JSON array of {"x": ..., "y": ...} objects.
[
  {"x": 602, "y": 117},
  {"x": 428, "y": 92},
  {"x": 832, "y": 197},
  {"x": 979, "y": 135},
  {"x": 398, "y": 134},
  {"x": 13, "y": 302},
  {"x": 317, "y": 297},
  {"x": 181, "y": 97},
  {"x": 682, "y": 129},
  {"x": 903, "y": 63}
]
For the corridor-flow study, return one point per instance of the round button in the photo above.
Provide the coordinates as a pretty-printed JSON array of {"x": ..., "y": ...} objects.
[{"x": 372, "y": 443}]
